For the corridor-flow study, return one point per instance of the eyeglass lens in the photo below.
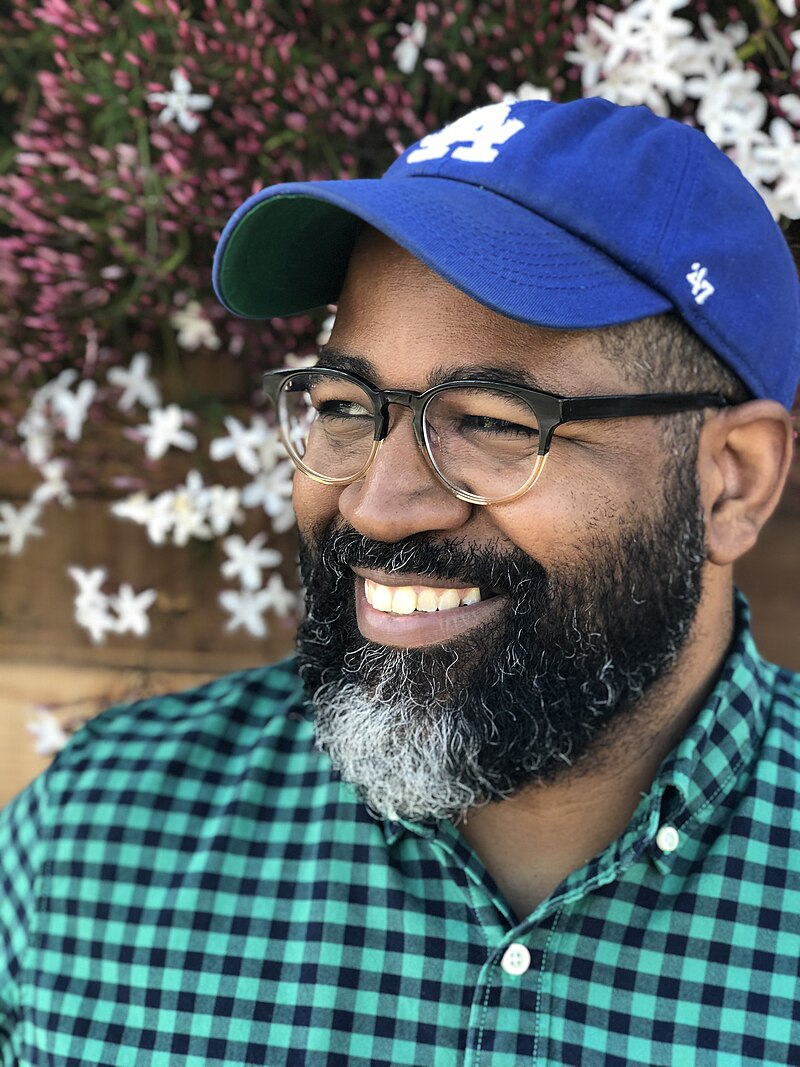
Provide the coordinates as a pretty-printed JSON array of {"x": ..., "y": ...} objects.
[{"x": 482, "y": 442}]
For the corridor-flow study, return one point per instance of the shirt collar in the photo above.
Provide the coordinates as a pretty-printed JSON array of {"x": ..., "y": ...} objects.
[
  {"x": 705, "y": 765},
  {"x": 695, "y": 779},
  {"x": 698, "y": 774}
]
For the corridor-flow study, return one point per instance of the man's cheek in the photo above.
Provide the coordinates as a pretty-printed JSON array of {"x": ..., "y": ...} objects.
[{"x": 314, "y": 504}]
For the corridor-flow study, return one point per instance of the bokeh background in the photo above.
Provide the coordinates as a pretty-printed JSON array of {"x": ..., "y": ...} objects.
[{"x": 146, "y": 533}]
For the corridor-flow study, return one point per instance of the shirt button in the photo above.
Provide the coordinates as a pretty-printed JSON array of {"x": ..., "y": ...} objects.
[
  {"x": 668, "y": 838},
  {"x": 516, "y": 959}
]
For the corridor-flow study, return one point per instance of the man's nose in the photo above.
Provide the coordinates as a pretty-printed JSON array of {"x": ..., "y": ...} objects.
[{"x": 400, "y": 495}]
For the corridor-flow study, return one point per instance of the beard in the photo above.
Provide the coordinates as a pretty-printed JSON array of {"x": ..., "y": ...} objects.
[{"x": 428, "y": 733}]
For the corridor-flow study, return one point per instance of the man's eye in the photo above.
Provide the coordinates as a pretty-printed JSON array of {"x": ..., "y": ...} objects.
[
  {"x": 498, "y": 427},
  {"x": 342, "y": 409}
]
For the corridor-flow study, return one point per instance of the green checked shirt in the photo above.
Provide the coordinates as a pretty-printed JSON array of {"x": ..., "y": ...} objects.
[{"x": 190, "y": 885}]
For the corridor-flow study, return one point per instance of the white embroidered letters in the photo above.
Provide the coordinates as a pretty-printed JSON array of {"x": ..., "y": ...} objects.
[
  {"x": 476, "y": 134},
  {"x": 702, "y": 288}
]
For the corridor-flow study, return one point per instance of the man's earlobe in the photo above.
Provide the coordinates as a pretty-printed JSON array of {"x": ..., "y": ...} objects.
[{"x": 743, "y": 461}]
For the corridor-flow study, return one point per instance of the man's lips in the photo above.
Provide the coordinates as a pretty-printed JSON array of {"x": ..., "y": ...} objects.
[{"x": 411, "y": 626}]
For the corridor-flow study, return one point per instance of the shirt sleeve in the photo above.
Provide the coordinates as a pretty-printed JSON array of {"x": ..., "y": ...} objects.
[{"x": 21, "y": 859}]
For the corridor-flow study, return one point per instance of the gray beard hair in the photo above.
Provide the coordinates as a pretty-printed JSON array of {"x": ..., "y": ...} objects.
[{"x": 414, "y": 780}]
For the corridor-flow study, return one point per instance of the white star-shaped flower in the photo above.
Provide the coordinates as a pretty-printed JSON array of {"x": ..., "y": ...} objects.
[
  {"x": 96, "y": 619},
  {"x": 92, "y": 606},
  {"x": 181, "y": 103},
  {"x": 246, "y": 560},
  {"x": 74, "y": 408},
  {"x": 36, "y": 431},
  {"x": 655, "y": 19},
  {"x": 155, "y": 514},
  {"x": 243, "y": 442},
  {"x": 271, "y": 450},
  {"x": 246, "y": 610},
  {"x": 18, "y": 524},
  {"x": 49, "y": 390},
  {"x": 161, "y": 517},
  {"x": 791, "y": 107},
  {"x": 406, "y": 53},
  {"x": 589, "y": 54},
  {"x": 136, "y": 384},
  {"x": 88, "y": 582},
  {"x": 781, "y": 160},
  {"x": 325, "y": 330},
  {"x": 526, "y": 91},
  {"x": 299, "y": 360},
  {"x": 50, "y": 735},
  {"x": 135, "y": 507},
  {"x": 54, "y": 486},
  {"x": 284, "y": 518},
  {"x": 731, "y": 106},
  {"x": 194, "y": 329},
  {"x": 166, "y": 430},
  {"x": 272, "y": 490},
  {"x": 131, "y": 610},
  {"x": 188, "y": 511},
  {"x": 743, "y": 154},
  {"x": 787, "y": 7},
  {"x": 723, "y": 44},
  {"x": 222, "y": 508},
  {"x": 619, "y": 36},
  {"x": 281, "y": 600}
]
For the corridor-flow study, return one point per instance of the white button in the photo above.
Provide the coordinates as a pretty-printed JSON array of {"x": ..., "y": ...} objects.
[
  {"x": 516, "y": 959},
  {"x": 668, "y": 838}
]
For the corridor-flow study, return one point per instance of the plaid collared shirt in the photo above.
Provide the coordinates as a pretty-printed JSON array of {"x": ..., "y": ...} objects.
[{"x": 190, "y": 885}]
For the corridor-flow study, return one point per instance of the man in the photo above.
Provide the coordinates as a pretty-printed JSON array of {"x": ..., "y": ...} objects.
[{"x": 536, "y": 798}]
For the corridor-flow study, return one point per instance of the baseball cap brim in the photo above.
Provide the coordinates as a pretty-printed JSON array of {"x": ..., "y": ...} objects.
[{"x": 286, "y": 251}]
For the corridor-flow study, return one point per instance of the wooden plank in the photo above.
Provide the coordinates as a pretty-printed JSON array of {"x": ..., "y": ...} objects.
[
  {"x": 187, "y": 623},
  {"x": 74, "y": 694},
  {"x": 770, "y": 577}
]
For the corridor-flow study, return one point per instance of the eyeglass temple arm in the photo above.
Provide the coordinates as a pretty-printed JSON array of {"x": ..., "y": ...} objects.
[{"x": 611, "y": 407}]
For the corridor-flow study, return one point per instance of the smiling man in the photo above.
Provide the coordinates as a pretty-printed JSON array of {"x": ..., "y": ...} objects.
[{"x": 527, "y": 793}]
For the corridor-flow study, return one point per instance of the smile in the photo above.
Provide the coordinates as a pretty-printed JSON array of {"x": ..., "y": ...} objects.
[
  {"x": 413, "y": 615},
  {"x": 406, "y": 599}
]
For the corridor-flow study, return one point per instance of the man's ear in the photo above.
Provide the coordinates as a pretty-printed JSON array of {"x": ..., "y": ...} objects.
[{"x": 743, "y": 459}]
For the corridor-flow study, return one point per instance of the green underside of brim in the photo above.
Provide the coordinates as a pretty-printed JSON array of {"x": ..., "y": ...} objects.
[{"x": 287, "y": 255}]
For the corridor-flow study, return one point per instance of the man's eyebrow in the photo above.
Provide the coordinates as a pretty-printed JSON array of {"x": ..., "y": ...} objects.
[
  {"x": 338, "y": 359},
  {"x": 486, "y": 372}
]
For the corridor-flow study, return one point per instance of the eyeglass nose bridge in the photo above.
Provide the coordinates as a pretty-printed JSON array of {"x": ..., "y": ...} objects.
[
  {"x": 407, "y": 399},
  {"x": 416, "y": 404}
]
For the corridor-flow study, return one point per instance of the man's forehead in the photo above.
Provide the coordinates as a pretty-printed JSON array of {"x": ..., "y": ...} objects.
[{"x": 395, "y": 313}]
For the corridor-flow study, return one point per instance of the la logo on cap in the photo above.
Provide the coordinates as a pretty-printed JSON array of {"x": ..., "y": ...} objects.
[{"x": 476, "y": 134}]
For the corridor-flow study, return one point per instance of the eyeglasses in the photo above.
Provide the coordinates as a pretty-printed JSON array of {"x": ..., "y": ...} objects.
[{"x": 486, "y": 441}]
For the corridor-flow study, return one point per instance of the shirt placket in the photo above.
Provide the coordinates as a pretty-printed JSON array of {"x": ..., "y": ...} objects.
[
  {"x": 505, "y": 1015},
  {"x": 508, "y": 1016},
  {"x": 504, "y": 1010}
]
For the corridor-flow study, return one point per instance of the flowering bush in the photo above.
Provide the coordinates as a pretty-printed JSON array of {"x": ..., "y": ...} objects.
[{"x": 136, "y": 129}]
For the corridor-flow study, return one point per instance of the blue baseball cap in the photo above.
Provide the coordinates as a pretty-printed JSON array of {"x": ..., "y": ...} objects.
[{"x": 568, "y": 216}]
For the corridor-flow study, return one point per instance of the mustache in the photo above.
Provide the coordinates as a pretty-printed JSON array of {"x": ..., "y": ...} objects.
[{"x": 338, "y": 548}]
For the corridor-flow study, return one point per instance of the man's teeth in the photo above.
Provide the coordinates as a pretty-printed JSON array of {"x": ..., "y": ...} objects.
[{"x": 406, "y": 599}]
